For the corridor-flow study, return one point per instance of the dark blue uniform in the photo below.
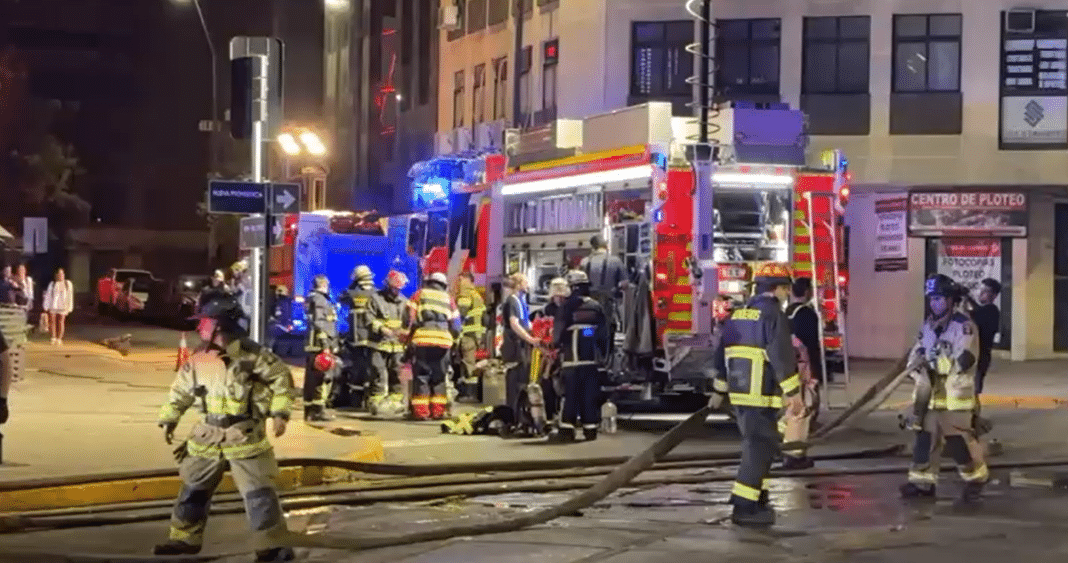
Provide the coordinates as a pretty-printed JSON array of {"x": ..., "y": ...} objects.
[
  {"x": 580, "y": 332},
  {"x": 756, "y": 367}
]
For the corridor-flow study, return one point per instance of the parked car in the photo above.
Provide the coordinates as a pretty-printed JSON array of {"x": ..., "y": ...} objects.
[
  {"x": 133, "y": 296},
  {"x": 109, "y": 287},
  {"x": 172, "y": 303}
]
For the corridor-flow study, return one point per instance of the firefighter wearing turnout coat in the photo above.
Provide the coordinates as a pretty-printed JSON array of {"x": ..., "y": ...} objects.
[
  {"x": 359, "y": 294},
  {"x": 943, "y": 361},
  {"x": 320, "y": 350},
  {"x": 472, "y": 309},
  {"x": 387, "y": 315},
  {"x": 580, "y": 333},
  {"x": 757, "y": 367},
  {"x": 236, "y": 385},
  {"x": 434, "y": 328}
]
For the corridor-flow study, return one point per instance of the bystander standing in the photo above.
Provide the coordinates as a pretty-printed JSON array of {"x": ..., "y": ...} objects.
[{"x": 58, "y": 303}]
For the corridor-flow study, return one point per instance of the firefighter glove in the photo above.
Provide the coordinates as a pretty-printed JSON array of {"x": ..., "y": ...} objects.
[{"x": 168, "y": 431}]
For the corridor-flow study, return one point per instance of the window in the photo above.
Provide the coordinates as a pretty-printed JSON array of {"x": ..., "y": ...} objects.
[
  {"x": 500, "y": 87},
  {"x": 836, "y": 55},
  {"x": 461, "y": 7},
  {"x": 524, "y": 80},
  {"x": 659, "y": 63},
  {"x": 748, "y": 56},
  {"x": 478, "y": 95},
  {"x": 927, "y": 53},
  {"x": 458, "y": 99},
  {"x": 550, "y": 56}
]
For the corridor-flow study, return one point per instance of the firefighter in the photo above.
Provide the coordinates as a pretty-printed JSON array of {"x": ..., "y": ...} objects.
[
  {"x": 387, "y": 315},
  {"x": 552, "y": 387},
  {"x": 756, "y": 367},
  {"x": 237, "y": 385},
  {"x": 359, "y": 294},
  {"x": 472, "y": 310},
  {"x": 580, "y": 332},
  {"x": 608, "y": 278},
  {"x": 944, "y": 359},
  {"x": 322, "y": 344},
  {"x": 435, "y": 324}
]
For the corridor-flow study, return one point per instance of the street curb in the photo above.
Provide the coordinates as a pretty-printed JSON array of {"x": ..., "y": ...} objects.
[
  {"x": 1039, "y": 478},
  {"x": 93, "y": 349},
  {"x": 85, "y": 494}
]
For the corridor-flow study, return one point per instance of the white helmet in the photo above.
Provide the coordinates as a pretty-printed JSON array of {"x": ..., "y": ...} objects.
[
  {"x": 362, "y": 273},
  {"x": 558, "y": 287},
  {"x": 438, "y": 277},
  {"x": 577, "y": 277}
]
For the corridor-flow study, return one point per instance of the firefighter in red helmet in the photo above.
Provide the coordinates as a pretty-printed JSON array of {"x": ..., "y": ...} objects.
[
  {"x": 756, "y": 369},
  {"x": 387, "y": 317}
]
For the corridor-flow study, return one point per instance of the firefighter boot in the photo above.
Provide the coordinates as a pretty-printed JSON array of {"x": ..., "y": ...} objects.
[
  {"x": 564, "y": 435},
  {"x": 316, "y": 413},
  {"x": 753, "y": 515},
  {"x": 914, "y": 491},
  {"x": 421, "y": 408},
  {"x": 972, "y": 492},
  {"x": 275, "y": 555},
  {"x": 438, "y": 408},
  {"x": 590, "y": 434},
  {"x": 175, "y": 547}
]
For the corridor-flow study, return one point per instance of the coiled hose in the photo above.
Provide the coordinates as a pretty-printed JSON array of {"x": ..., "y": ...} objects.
[{"x": 619, "y": 477}]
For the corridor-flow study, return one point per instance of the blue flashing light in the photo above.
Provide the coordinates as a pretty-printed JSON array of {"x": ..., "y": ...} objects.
[
  {"x": 587, "y": 332},
  {"x": 658, "y": 215}
]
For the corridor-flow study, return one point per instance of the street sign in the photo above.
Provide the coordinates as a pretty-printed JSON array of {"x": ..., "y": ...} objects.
[
  {"x": 251, "y": 235},
  {"x": 285, "y": 198},
  {"x": 34, "y": 235},
  {"x": 242, "y": 198}
]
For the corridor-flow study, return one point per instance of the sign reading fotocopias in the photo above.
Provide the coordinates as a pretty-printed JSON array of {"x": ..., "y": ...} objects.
[{"x": 952, "y": 213}]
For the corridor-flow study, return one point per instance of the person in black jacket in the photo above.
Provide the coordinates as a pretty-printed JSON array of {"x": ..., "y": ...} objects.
[
  {"x": 987, "y": 319},
  {"x": 805, "y": 324}
]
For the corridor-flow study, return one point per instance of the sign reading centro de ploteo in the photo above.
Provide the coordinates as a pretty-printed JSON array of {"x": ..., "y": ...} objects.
[{"x": 955, "y": 213}]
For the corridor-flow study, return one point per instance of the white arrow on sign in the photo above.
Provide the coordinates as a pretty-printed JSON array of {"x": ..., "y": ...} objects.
[
  {"x": 286, "y": 199},
  {"x": 277, "y": 230}
]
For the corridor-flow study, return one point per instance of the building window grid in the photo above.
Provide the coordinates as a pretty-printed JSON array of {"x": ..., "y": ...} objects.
[
  {"x": 458, "y": 99},
  {"x": 759, "y": 44},
  {"x": 478, "y": 95},
  {"x": 819, "y": 45},
  {"x": 660, "y": 66},
  {"x": 525, "y": 105},
  {"x": 914, "y": 52},
  {"x": 500, "y": 88}
]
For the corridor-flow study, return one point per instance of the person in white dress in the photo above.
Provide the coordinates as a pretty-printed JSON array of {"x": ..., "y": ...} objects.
[
  {"x": 25, "y": 282},
  {"x": 58, "y": 303}
]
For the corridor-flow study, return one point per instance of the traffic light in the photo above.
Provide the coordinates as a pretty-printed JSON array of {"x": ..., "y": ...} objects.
[{"x": 246, "y": 103}]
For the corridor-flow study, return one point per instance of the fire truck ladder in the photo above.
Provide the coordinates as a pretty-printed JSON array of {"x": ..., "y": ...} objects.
[{"x": 822, "y": 230}]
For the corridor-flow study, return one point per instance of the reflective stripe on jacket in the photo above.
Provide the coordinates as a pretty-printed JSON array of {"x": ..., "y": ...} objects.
[
  {"x": 582, "y": 333},
  {"x": 240, "y": 389},
  {"x": 948, "y": 349},
  {"x": 472, "y": 308},
  {"x": 756, "y": 355},
  {"x": 360, "y": 301},
  {"x": 387, "y": 310},
  {"x": 432, "y": 314}
]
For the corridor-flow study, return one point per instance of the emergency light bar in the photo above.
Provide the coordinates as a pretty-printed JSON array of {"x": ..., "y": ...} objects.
[
  {"x": 579, "y": 180},
  {"x": 767, "y": 179}
]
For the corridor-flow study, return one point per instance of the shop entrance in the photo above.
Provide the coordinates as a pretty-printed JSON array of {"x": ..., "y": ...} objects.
[{"x": 1060, "y": 279}]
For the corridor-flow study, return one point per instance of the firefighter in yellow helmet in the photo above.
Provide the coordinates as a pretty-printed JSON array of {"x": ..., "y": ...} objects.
[
  {"x": 236, "y": 384},
  {"x": 434, "y": 327},
  {"x": 322, "y": 343},
  {"x": 756, "y": 367},
  {"x": 472, "y": 308}
]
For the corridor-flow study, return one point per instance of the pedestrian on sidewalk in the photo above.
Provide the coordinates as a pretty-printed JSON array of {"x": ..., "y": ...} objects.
[
  {"x": 987, "y": 319},
  {"x": 25, "y": 283},
  {"x": 58, "y": 303}
]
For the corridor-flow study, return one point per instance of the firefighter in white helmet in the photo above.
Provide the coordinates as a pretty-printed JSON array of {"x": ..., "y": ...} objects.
[{"x": 359, "y": 295}]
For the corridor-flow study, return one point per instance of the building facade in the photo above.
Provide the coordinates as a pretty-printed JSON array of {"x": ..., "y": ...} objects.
[
  {"x": 952, "y": 115},
  {"x": 380, "y": 98}
]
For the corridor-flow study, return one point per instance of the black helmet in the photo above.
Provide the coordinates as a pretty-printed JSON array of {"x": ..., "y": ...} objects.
[
  {"x": 942, "y": 285},
  {"x": 223, "y": 308}
]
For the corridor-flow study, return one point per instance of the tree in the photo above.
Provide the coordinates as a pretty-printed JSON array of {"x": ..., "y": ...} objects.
[{"x": 47, "y": 184}]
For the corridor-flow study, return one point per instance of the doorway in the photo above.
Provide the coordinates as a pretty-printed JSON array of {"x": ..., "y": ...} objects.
[{"x": 1060, "y": 279}]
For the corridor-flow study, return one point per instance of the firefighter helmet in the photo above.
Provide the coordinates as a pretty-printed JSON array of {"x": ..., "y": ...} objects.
[
  {"x": 577, "y": 277},
  {"x": 281, "y": 290},
  {"x": 324, "y": 361},
  {"x": 438, "y": 278},
  {"x": 397, "y": 279},
  {"x": 239, "y": 267},
  {"x": 773, "y": 273},
  {"x": 944, "y": 286},
  {"x": 362, "y": 273},
  {"x": 222, "y": 307},
  {"x": 558, "y": 288}
]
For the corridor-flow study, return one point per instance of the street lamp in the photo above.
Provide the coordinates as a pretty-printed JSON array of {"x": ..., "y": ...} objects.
[
  {"x": 289, "y": 144},
  {"x": 213, "y": 136}
]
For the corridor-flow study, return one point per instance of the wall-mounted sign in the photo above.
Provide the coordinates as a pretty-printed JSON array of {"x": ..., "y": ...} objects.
[
  {"x": 1034, "y": 120},
  {"x": 957, "y": 213},
  {"x": 891, "y": 236},
  {"x": 970, "y": 261}
]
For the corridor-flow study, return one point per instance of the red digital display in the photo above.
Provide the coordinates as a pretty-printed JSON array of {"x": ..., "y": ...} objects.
[{"x": 551, "y": 51}]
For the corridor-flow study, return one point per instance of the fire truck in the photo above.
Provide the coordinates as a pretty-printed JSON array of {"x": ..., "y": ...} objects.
[{"x": 768, "y": 204}]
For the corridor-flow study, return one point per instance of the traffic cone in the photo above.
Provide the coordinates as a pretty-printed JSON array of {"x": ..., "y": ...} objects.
[{"x": 183, "y": 353}]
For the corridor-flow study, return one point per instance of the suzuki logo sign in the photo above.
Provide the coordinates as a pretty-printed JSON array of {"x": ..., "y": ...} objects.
[{"x": 1033, "y": 113}]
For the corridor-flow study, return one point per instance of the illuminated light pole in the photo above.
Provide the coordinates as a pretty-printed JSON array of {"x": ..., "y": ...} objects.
[{"x": 296, "y": 142}]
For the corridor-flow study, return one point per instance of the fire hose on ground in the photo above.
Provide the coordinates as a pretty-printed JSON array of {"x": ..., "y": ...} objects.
[{"x": 655, "y": 457}]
